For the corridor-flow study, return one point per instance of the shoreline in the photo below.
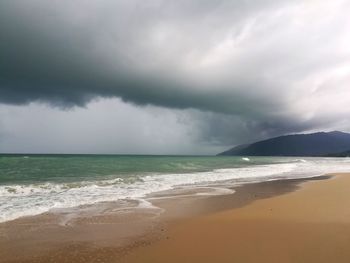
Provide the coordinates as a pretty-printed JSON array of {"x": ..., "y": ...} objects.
[
  {"x": 110, "y": 237},
  {"x": 34, "y": 196},
  {"x": 308, "y": 225}
]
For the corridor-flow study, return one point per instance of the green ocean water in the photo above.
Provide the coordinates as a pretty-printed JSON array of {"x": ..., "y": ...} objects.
[{"x": 73, "y": 168}]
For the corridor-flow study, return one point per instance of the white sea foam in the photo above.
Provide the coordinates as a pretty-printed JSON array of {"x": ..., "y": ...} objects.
[{"x": 25, "y": 200}]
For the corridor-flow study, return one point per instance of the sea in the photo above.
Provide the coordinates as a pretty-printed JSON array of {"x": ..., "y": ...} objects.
[{"x": 35, "y": 184}]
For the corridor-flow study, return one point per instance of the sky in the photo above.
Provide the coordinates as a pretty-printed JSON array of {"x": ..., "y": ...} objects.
[{"x": 169, "y": 77}]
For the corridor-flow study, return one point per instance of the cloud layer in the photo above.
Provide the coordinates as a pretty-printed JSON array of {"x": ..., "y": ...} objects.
[{"x": 270, "y": 66}]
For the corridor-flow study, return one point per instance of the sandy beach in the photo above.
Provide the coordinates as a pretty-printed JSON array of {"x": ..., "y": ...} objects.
[
  {"x": 308, "y": 225},
  {"x": 278, "y": 221},
  {"x": 174, "y": 131}
]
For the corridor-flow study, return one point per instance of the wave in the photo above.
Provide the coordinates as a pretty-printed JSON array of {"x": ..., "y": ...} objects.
[{"x": 32, "y": 199}]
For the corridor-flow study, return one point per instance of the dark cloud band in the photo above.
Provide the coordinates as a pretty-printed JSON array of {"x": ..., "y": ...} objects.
[{"x": 253, "y": 62}]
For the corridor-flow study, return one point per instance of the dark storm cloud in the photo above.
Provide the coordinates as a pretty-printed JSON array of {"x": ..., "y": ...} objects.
[
  {"x": 221, "y": 129},
  {"x": 251, "y": 65},
  {"x": 67, "y": 54}
]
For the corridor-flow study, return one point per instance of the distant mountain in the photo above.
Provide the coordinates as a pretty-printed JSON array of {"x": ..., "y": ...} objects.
[{"x": 315, "y": 144}]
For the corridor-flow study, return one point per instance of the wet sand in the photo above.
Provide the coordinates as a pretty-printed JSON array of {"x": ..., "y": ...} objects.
[
  {"x": 309, "y": 225},
  {"x": 279, "y": 221}
]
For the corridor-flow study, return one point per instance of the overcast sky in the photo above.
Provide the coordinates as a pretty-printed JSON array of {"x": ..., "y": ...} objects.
[{"x": 169, "y": 77}]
